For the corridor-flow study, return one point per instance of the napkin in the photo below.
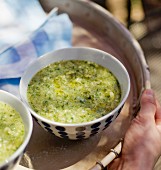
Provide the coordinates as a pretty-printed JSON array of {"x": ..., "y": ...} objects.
[{"x": 28, "y": 33}]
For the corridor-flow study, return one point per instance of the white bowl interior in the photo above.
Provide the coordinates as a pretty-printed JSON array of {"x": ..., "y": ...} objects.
[
  {"x": 25, "y": 115},
  {"x": 78, "y": 53}
]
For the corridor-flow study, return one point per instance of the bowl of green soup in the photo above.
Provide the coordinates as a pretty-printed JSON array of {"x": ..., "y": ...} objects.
[
  {"x": 15, "y": 130},
  {"x": 75, "y": 92}
]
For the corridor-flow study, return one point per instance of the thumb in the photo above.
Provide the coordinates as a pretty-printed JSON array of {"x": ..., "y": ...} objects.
[{"x": 148, "y": 103}]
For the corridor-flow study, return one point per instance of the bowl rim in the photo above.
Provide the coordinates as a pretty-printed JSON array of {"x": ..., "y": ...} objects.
[
  {"x": 43, "y": 119},
  {"x": 25, "y": 142}
]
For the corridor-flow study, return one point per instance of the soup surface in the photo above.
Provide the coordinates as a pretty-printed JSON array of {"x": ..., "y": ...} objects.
[
  {"x": 73, "y": 91},
  {"x": 11, "y": 131}
]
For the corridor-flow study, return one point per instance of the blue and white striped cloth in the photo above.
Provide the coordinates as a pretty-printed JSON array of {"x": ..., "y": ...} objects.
[{"x": 27, "y": 33}]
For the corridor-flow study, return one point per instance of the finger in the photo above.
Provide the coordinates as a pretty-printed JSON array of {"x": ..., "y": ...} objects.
[
  {"x": 148, "y": 103},
  {"x": 158, "y": 113}
]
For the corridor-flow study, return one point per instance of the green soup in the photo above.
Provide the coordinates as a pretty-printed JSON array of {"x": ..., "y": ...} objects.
[
  {"x": 73, "y": 91},
  {"x": 11, "y": 131}
]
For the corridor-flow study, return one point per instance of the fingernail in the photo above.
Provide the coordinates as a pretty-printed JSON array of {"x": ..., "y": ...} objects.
[{"x": 149, "y": 92}]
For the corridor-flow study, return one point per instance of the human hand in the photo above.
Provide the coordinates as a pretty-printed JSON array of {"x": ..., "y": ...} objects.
[{"x": 142, "y": 142}]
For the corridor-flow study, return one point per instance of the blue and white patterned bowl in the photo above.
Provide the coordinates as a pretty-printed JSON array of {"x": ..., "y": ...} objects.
[
  {"x": 17, "y": 104},
  {"x": 82, "y": 130}
]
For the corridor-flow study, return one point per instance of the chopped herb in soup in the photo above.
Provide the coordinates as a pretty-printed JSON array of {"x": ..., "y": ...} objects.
[
  {"x": 11, "y": 131},
  {"x": 73, "y": 91}
]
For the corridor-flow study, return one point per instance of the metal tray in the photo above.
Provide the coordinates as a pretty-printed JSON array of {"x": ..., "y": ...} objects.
[{"x": 93, "y": 27}]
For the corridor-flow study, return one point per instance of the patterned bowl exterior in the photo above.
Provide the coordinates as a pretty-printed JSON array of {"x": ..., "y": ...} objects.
[
  {"x": 13, "y": 101},
  {"x": 78, "y": 132},
  {"x": 83, "y": 130}
]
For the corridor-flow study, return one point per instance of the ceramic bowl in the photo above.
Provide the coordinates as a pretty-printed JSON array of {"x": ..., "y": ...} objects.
[
  {"x": 17, "y": 104},
  {"x": 80, "y": 130}
]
